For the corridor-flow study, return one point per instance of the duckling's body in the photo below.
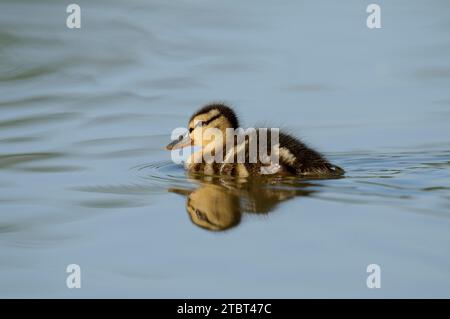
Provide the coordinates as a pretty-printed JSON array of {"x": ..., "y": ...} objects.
[{"x": 293, "y": 156}]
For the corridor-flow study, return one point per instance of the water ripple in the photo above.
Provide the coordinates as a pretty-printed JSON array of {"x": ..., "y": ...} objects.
[{"x": 402, "y": 179}]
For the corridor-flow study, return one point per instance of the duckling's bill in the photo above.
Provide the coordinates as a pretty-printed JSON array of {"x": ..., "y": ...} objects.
[{"x": 181, "y": 142}]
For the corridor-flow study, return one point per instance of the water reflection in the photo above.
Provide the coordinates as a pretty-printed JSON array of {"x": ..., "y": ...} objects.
[{"x": 217, "y": 204}]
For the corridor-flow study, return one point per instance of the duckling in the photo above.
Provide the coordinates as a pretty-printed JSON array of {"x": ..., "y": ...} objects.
[{"x": 294, "y": 157}]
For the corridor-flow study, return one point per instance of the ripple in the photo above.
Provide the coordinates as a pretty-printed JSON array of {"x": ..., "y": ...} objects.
[
  {"x": 436, "y": 188},
  {"x": 367, "y": 176},
  {"x": 11, "y": 160},
  {"x": 405, "y": 179},
  {"x": 27, "y": 73},
  {"x": 162, "y": 173},
  {"x": 37, "y": 120},
  {"x": 10, "y": 228},
  {"x": 20, "y": 139},
  {"x": 53, "y": 169},
  {"x": 29, "y": 101},
  {"x": 110, "y": 203},
  {"x": 125, "y": 189},
  {"x": 149, "y": 178}
]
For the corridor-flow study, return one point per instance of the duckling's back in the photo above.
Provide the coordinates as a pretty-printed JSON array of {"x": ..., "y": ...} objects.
[
  {"x": 302, "y": 160},
  {"x": 295, "y": 158}
]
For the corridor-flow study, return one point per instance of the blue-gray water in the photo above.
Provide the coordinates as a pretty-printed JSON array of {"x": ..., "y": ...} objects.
[{"x": 85, "y": 114}]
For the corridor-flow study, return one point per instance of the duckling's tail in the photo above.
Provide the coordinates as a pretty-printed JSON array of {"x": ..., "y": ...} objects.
[
  {"x": 338, "y": 171},
  {"x": 325, "y": 171}
]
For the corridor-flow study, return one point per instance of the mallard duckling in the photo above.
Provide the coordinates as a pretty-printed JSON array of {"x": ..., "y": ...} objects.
[{"x": 294, "y": 157}]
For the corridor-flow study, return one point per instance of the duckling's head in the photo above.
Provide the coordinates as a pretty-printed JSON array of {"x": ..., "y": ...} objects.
[{"x": 212, "y": 116}]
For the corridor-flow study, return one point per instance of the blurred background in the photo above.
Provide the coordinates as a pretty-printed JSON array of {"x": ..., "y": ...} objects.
[{"x": 85, "y": 114}]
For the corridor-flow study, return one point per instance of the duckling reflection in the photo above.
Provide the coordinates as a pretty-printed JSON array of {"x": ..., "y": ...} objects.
[{"x": 218, "y": 204}]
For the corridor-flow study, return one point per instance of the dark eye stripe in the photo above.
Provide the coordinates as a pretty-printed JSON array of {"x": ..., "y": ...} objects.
[{"x": 215, "y": 117}]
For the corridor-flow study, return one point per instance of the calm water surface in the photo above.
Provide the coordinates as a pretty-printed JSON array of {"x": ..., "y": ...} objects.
[{"x": 84, "y": 178}]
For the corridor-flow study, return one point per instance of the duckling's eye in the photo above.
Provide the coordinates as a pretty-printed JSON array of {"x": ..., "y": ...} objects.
[{"x": 190, "y": 130}]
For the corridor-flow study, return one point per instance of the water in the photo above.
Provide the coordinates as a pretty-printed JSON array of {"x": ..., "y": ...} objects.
[{"x": 84, "y": 178}]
